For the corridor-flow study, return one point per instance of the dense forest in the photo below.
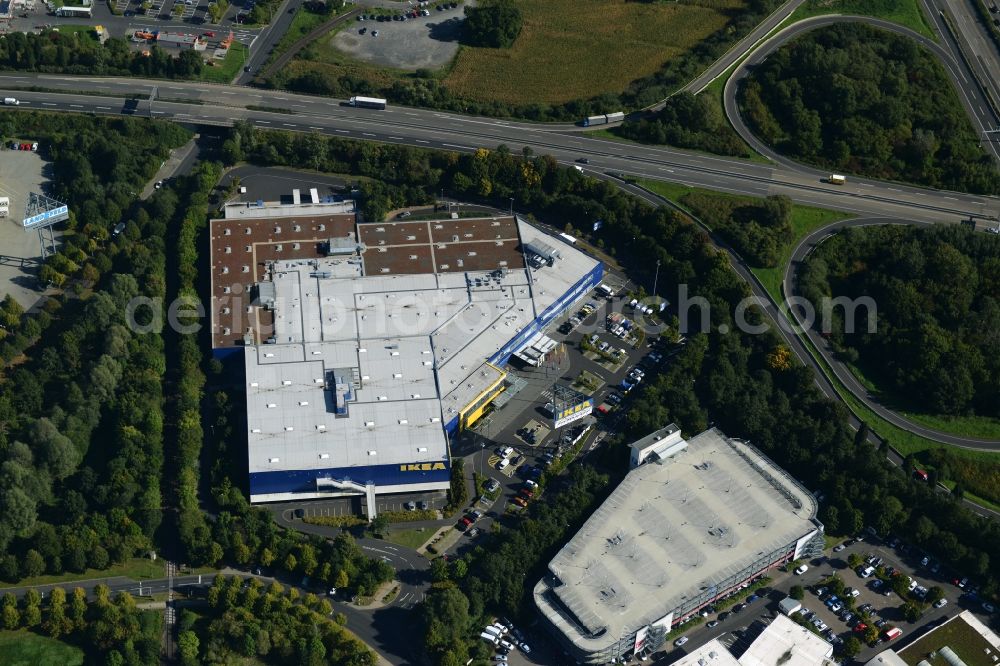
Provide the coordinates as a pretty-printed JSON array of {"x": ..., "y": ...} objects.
[
  {"x": 938, "y": 296},
  {"x": 855, "y": 99},
  {"x": 757, "y": 229},
  {"x": 689, "y": 121},
  {"x": 75, "y": 53},
  {"x": 748, "y": 385},
  {"x": 246, "y": 620},
  {"x": 81, "y": 442}
]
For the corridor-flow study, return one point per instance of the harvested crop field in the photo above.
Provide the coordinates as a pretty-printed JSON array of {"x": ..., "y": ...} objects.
[{"x": 572, "y": 49}]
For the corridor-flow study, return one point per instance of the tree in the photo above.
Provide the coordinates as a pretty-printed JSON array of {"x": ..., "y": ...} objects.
[
  {"x": 797, "y": 592},
  {"x": 911, "y": 611},
  {"x": 934, "y": 594},
  {"x": 188, "y": 644},
  {"x": 34, "y": 564},
  {"x": 493, "y": 23},
  {"x": 851, "y": 647},
  {"x": 379, "y": 525}
]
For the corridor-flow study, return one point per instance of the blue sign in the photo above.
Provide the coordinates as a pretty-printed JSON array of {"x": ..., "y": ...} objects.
[{"x": 48, "y": 216}]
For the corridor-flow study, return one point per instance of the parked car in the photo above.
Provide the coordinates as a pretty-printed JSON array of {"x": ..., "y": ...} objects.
[
  {"x": 941, "y": 603},
  {"x": 681, "y": 641},
  {"x": 801, "y": 570},
  {"x": 839, "y": 548},
  {"x": 712, "y": 624}
]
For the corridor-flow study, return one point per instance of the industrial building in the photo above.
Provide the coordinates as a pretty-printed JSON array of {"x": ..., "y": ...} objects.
[
  {"x": 691, "y": 522},
  {"x": 782, "y": 641},
  {"x": 366, "y": 346}
]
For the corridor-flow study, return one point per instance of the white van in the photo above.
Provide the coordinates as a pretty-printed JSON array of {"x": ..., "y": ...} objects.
[
  {"x": 490, "y": 638},
  {"x": 493, "y": 631},
  {"x": 10, "y": 101}
]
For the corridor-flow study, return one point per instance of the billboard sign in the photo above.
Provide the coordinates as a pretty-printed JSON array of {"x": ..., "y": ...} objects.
[
  {"x": 573, "y": 413},
  {"x": 640, "y": 640},
  {"x": 47, "y": 217}
]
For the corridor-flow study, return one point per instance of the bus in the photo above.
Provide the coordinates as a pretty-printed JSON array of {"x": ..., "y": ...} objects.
[{"x": 368, "y": 102}]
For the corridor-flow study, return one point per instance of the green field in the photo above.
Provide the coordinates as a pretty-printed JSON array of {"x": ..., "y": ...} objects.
[
  {"x": 904, "y": 12},
  {"x": 22, "y": 648},
  {"x": 86, "y": 31},
  {"x": 410, "y": 538},
  {"x": 138, "y": 568},
  {"x": 226, "y": 70},
  {"x": 571, "y": 49}
]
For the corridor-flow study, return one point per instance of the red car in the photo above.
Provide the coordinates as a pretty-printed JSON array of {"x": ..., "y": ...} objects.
[
  {"x": 520, "y": 501},
  {"x": 465, "y": 522},
  {"x": 860, "y": 627},
  {"x": 525, "y": 493},
  {"x": 208, "y": 34}
]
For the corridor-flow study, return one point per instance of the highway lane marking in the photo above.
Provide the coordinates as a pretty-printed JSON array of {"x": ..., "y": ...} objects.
[
  {"x": 452, "y": 145},
  {"x": 319, "y": 129},
  {"x": 396, "y": 138},
  {"x": 159, "y": 113},
  {"x": 342, "y": 131},
  {"x": 893, "y": 189},
  {"x": 282, "y": 98},
  {"x": 48, "y": 104},
  {"x": 952, "y": 198},
  {"x": 201, "y": 90},
  {"x": 289, "y": 124},
  {"x": 264, "y": 122},
  {"x": 367, "y": 134},
  {"x": 411, "y": 114},
  {"x": 104, "y": 108},
  {"x": 77, "y": 106}
]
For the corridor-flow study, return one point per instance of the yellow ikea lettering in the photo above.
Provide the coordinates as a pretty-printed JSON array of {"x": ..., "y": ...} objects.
[{"x": 421, "y": 467}]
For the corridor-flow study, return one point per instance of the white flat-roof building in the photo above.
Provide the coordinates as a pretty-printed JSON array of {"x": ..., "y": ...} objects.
[
  {"x": 373, "y": 357},
  {"x": 693, "y": 521},
  {"x": 782, "y": 642}
]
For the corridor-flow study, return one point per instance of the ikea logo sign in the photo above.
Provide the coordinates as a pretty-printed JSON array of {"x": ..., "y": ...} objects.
[{"x": 422, "y": 467}]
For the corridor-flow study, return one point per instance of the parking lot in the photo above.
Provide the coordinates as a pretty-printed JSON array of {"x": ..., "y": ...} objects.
[
  {"x": 423, "y": 42},
  {"x": 21, "y": 172},
  {"x": 731, "y": 626}
]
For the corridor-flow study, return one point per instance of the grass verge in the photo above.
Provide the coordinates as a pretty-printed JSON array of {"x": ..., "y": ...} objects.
[
  {"x": 23, "y": 648},
  {"x": 410, "y": 538},
  {"x": 226, "y": 70},
  {"x": 903, "y": 12},
  {"x": 137, "y": 568},
  {"x": 965, "y": 426}
]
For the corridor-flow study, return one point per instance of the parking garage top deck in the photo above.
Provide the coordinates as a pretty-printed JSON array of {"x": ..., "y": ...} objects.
[{"x": 671, "y": 530}]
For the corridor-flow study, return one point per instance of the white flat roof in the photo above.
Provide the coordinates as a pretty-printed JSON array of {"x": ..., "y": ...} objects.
[
  {"x": 414, "y": 346},
  {"x": 782, "y": 643},
  {"x": 786, "y": 643},
  {"x": 671, "y": 530}
]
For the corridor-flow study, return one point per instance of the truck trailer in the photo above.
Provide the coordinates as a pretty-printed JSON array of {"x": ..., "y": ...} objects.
[
  {"x": 604, "y": 119},
  {"x": 837, "y": 179},
  {"x": 368, "y": 102}
]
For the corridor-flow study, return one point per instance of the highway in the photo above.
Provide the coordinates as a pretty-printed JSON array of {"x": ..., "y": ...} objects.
[
  {"x": 976, "y": 106},
  {"x": 200, "y": 103}
]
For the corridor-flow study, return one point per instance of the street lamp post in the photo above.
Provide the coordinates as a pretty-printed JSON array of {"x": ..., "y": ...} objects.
[
  {"x": 656, "y": 277},
  {"x": 512, "y": 206}
]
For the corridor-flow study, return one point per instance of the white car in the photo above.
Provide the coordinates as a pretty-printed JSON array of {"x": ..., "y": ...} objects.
[
  {"x": 502, "y": 465},
  {"x": 681, "y": 641},
  {"x": 940, "y": 603},
  {"x": 801, "y": 570}
]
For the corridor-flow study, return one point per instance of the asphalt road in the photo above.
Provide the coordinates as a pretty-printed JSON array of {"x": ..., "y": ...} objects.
[
  {"x": 840, "y": 369},
  {"x": 978, "y": 108},
  {"x": 221, "y": 105}
]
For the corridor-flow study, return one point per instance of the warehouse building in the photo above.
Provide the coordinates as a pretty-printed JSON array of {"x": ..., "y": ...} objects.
[
  {"x": 693, "y": 521},
  {"x": 367, "y": 346}
]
